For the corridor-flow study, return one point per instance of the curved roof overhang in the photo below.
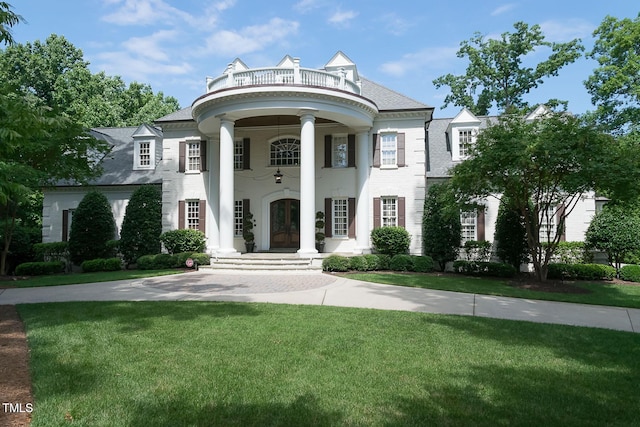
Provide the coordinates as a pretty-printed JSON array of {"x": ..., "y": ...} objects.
[{"x": 238, "y": 103}]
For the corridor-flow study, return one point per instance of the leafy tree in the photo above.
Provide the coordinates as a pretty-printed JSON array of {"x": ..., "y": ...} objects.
[
  {"x": 8, "y": 19},
  {"x": 92, "y": 227},
  {"x": 511, "y": 234},
  {"x": 142, "y": 224},
  {"x": 441, "y": 228},
  {"x": 57, "y": 74},
  {"x": 616, "y": 231},
  {"x": 614, "y": 86},
  {"x": 496, "y": 74},
  {"x": 545, "y": 166}
]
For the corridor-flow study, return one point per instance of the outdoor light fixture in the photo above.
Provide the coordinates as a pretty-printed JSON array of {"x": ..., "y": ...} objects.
[{"x": 278, "y": 176}]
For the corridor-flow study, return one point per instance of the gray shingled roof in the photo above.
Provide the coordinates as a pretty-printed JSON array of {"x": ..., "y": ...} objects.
[
  {"x": 118, "y": 163},
  {"x": 386, "y": 99}
]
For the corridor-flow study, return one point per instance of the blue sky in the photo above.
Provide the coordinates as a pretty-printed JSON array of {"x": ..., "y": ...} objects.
[{"x": 173, "y": 45}]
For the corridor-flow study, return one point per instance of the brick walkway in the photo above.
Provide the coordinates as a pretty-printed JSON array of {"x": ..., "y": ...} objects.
[{"x": 237, "y": 284}]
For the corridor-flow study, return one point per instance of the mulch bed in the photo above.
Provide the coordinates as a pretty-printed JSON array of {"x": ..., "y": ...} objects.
[{"x": 15, "y": 380}]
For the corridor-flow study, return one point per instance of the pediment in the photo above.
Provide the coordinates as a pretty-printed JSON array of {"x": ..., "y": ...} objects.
[
  {"x": 340, "y": 60},
  {"x": 286, "y": 62},
  {"x": 146, "y": 131},
  {"x": 465, "y": 117},
  {"x": 540, "y": 111}
]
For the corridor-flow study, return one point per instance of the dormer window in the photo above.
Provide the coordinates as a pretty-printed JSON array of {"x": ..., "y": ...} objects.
[
  {"x": 466, "y": 138},
  {"x": 143, "y": 156}
]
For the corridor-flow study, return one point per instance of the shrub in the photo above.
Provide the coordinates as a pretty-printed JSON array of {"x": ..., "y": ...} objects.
[
  {"x": 358, "y": 263},
  {"x": 373, "y": 261},
  {"x": 92, "y": 227},
  {"x": 630, "y": 273},
  {"x": 162, "y": 261},
  {"x": 483, "y": 268},
  {"x": 102, "y": 264},
  {"x": 335, "y": 263},
  {"x": 423, "y": 264},
  {"x": 54, "y": 251},
  {"x": 180, "y": 260},
  {"x": 187, "y": 240},
  {"x": 391, "y": 240},
  {"x": 570, "y": 253},
  {"x": 581, "y": 271},
  {"x": 142, "y": 224},
  {"x": 477, "y": 251},
  {"x": 511, "y": 234},
  {"x": 166, "y": 261},
  {"x": 39, "y": 268},
  {"x": 616, "y": 231},
  {"x": 441, "y": 228},
  {"x": 146, "y": 262},
  {"x": 401, "y": 262}
]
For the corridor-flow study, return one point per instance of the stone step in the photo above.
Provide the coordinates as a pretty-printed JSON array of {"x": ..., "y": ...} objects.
[{"x": 268, "y": 263}]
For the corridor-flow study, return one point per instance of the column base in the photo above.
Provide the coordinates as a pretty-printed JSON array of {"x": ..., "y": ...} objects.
[
  {"x": 222, "y": 253},
  {"x": 362, "y": 250},
  {"x": 307, "y": 252}
]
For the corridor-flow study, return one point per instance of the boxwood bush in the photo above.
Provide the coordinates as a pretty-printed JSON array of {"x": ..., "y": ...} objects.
[
  {"x": 391, "y": 240},
  {"x": 167, "y": 261},
  {"x": 40, "y": 268},
  {"x": 423, "y": 264},
  {"x": 359, "y": 263},
  {"x": 402, "y": 262},
  {"x": 581, "y": 271},
  {"x": 102, "y": 264},
  {"x": 483, "y": 268},
  {"x": 630, "y": 273},
  {"x": 335, "y": 263},
  {"x": 187, "y": 240}
]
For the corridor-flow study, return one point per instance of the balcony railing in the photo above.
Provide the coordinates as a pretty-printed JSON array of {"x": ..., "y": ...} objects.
[{"x": 283, "y": 76}]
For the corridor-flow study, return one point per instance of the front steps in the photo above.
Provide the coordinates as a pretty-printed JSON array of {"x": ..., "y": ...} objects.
[{"x": 271, "y": 262}]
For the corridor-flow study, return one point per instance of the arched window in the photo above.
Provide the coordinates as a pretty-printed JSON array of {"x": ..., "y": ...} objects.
[{"x": 285, "y": 152}]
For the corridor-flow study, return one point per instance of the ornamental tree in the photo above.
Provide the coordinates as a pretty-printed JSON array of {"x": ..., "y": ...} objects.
[
  {"x": 142, "y": 224},
  {"x": 92, "y": 227},
  {"x": 545, "y": 165},
  {"x": 616, "y": 231},
  {"x": 511, "y": 234},
  {"x": 496, "y": 74},
  {"x": 441, "y": 227}
]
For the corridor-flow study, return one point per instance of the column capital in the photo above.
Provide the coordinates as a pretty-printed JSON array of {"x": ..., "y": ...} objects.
[
  {"x": 362, "y": 129},
  {"x": 225, "y": 119},
  {"x": 307, "y": 113}
]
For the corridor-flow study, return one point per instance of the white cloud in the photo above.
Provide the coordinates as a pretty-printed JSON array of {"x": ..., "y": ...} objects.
[
  {"x": 306, "y": 6},
  {"x": 139, "y": 68},
  {"x": 395, "y": 24},
  {"x": 252, "y": 38},
  {"x": 556, "y": 31},
  {"x": 342, "y": 18},
  {"x": 503, "y": 9},
  {"x": 147, "y": 12},
  {"x": 436, "y": 58},
  {"x": 150, "y": 47}
]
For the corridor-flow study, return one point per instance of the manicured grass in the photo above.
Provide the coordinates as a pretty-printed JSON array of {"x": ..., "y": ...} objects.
[
  {"x": 77, "y": 278},
  {"x": 600, "y": 293},
  {"x": 202, "y": 364}
]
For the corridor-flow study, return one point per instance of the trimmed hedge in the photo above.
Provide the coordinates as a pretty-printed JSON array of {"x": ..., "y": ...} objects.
[
  {"x": 167, "y": 261},
  {"x": 40, "y": 268},
  {"x": 184, "y": 240},
  {"x": 581, "y": 271},
  {"x": 483, "y": 268},
  {"x": 391, "y": 240},
  {"x": 630, "y": 273},
  {"x": 335, "y": 263},
  {"x": 57, "y": 251},
  {"x": 423, "y": 264},
  {"x": 101, "y": 264},
  {"x": 369, "y": 262},
  {"x": 402, "y": 262},
  {"x": 359, "y": 263}
]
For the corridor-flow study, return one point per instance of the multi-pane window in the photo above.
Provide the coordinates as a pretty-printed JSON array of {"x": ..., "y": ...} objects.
[
  {"x": 389, "y": 211},
  {"x": 388, "y": 149},
  {"x": 468, "y": 223},
  {"x": 144, "y": 153},
  {"x": 465, "y": 140},
  {"x": 193, "y": 214},
  {"x": 193, "y": 156},
  {"x": 548, "y": 225},
  {"x": 238, "y": 154},
  {"x": 285, "y": 152},
  {"x": 340, "y": 218},
  {"x": 339, "y": 151},
  {"x": 238, "y": 218}
]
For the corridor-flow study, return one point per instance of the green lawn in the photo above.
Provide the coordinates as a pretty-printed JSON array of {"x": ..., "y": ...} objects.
[
  {"x": 600, "y": 293},
  {"x": 203, "y": 364},
  {"x": 77, "y": 278}
]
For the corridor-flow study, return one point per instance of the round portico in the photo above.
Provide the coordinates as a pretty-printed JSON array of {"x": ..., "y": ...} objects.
[{"x": 313, "y": 97}]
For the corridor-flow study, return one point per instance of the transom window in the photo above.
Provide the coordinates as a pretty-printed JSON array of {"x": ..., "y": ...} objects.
[
  {"x": 193, "y": 156},
  {"x": 285, "y": 152},
  {"x": 468, "y": 223},
  {"x": 339, "y": 151},
  {"x": 340, "y": 217},
  {"x": 238, "y": 218},
  {"x": 193, "y": 214},
  {"x": 388, "y": 149},
  {"x": 238, "y": 154},
  {"x": 389, "y": 211},
  {"x": 145, "y": 154},
  {"x": 465, "y": 141}
]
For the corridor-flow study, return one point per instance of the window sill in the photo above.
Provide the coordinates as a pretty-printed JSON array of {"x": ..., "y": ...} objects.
[
  {"x": 388, "y": 166},
  {"x": 192, "y": 172}
]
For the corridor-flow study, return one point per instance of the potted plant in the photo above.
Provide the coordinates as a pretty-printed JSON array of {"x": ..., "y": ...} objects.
[
  {"x": 247, "y": 233},
  {"x": 320, "y": 231}
]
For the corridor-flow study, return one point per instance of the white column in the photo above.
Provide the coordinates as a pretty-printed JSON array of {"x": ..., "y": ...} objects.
[
  {"x": 213, "y": 197},
  {"x": 226, "y": 187},
  {"x": 362, "y": 202},
  {"x": 307, "y": 184}
]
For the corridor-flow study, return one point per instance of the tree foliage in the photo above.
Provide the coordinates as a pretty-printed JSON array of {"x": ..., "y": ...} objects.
[
  {"x": 496, "y": 74},
  {"x": 56, "y": 73},
  {"x": 441, "y": 227},
  {"x": 92, "y": 227},
  {"x": 616, "y": 231},
  {"x": 142, "y": 224},
  {"x": 614, "y": 85},
  {"x": 545, "y": 165},
  {"x": 8, "y": 19}
]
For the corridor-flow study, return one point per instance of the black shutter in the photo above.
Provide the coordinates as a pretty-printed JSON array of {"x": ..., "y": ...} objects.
[
  {"x": 351, "y": 212},
  {"x": 327, "y": 151},
  {"x": 182, "y": 154},
  {"x": 376, "y": 151},
  {"x": 202, "y": 216},
  {"x": 203, "y": 156},
  {"x": 480, "y": 224},
  {"x": 401, "y": 212},
  {"x": 351, "y": 151},
  {"x": 328, "y": 218},
  {"x": 65, "y": 225},
  {"x": 246, "y": 154},
  {"x": 400, "y": 149},
  {"x": 377, "y": 217},
  {"x": 181, "y": 214}
]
